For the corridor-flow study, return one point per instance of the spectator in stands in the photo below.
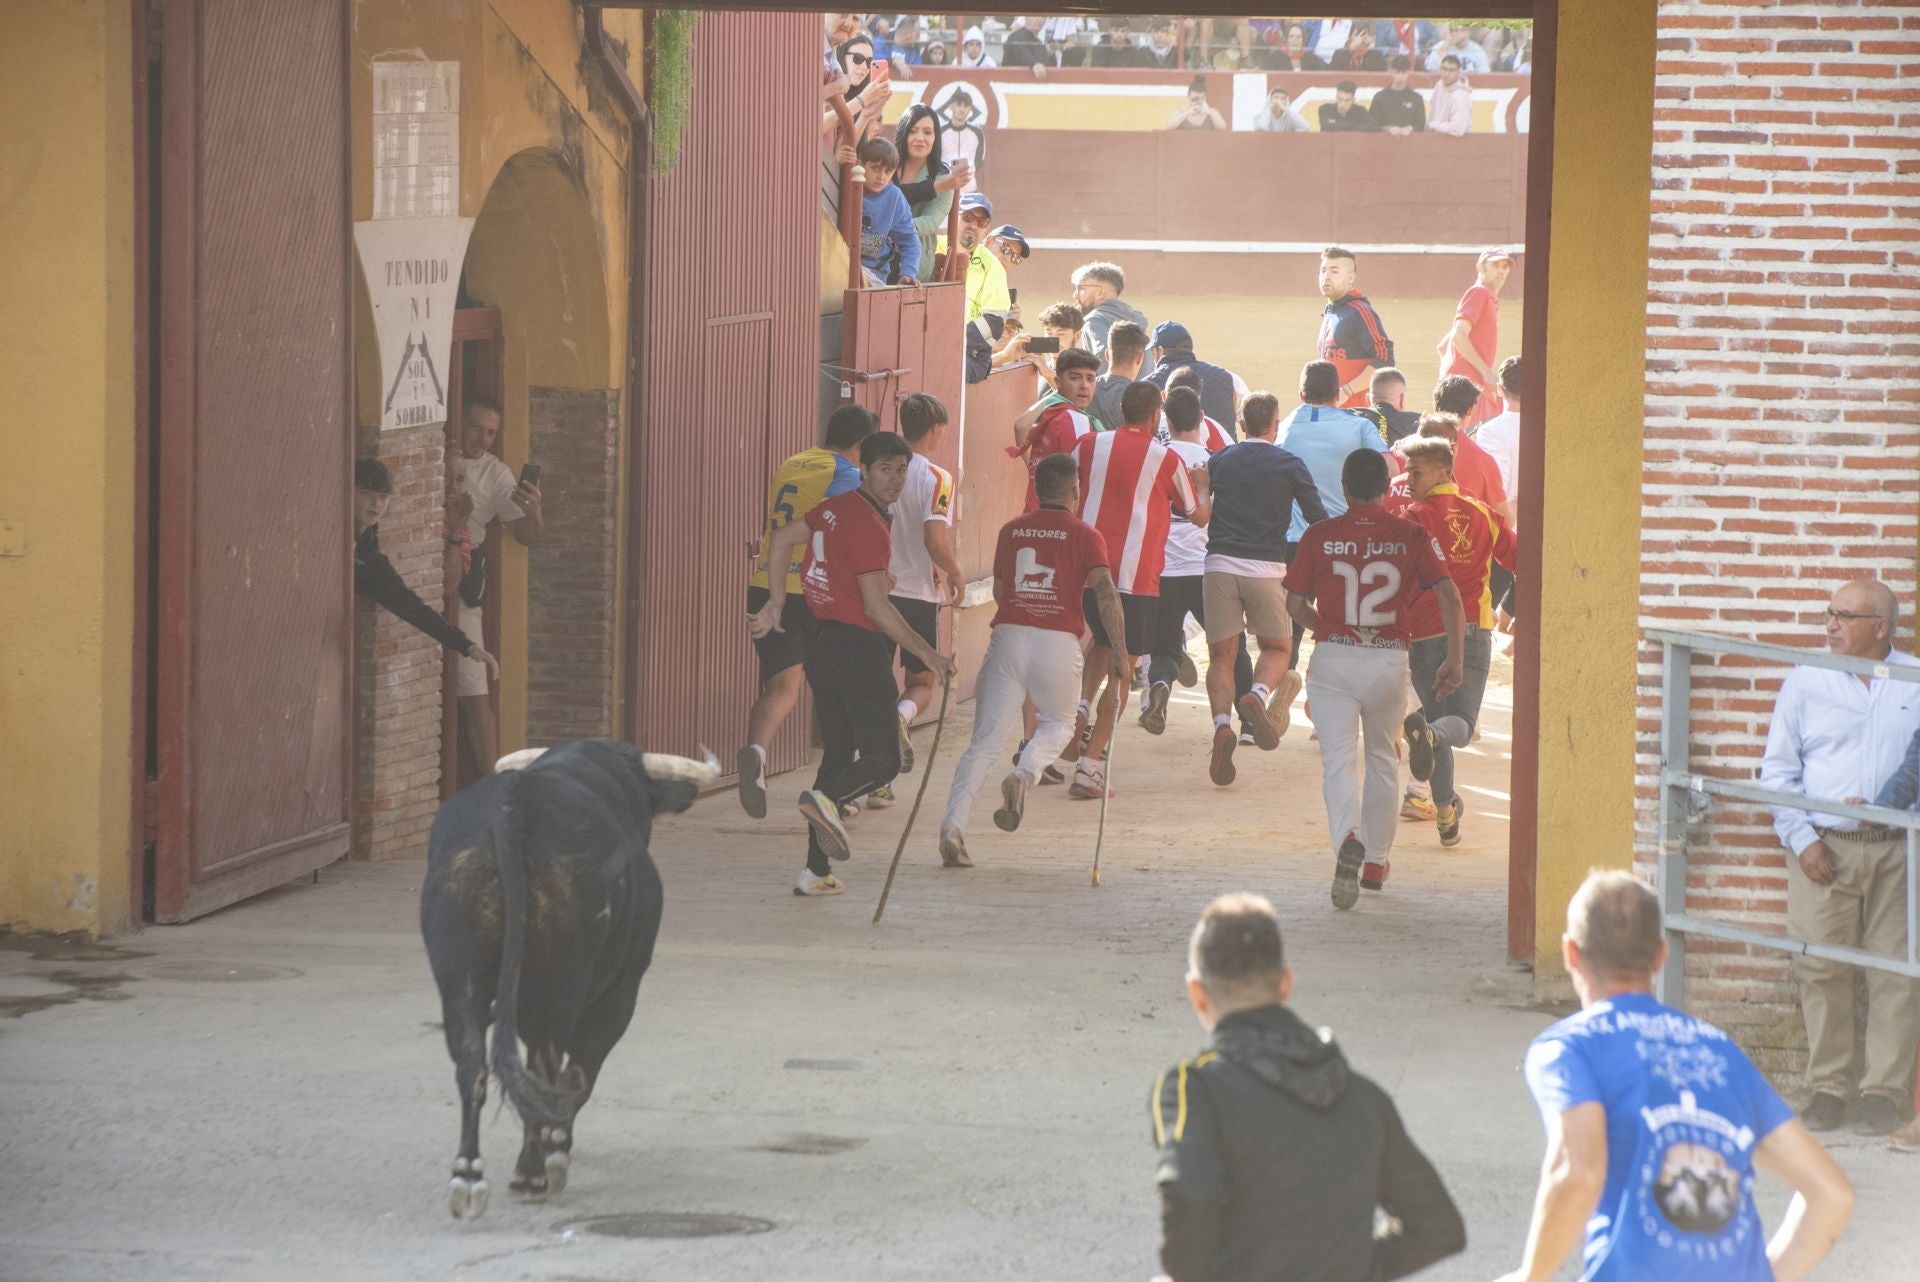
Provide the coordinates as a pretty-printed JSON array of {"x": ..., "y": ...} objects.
[
  {"x": 1195, "y": 113},
  {"x": 935, "y": 54},
  {"x": 1126, "y": 351},
  {"x": 1296, "y": 56},
  {"x": 375, "y": 578},
  {"x": 1009, "y": 244},
  {"x": 1278, "y": 116},
  {"x": 973, "y": 51},
  {"x": 1119, "y": 50},
  {"x": 1162, "y": 54},
  {"x": 1343, "y": 115},
  {"x": 864, "y": 94},
  {"x": 906, "y": 44},
  {"x": 1474, "y": 471},
  {"x": 1172, "y": 348},
  {"x": 1452, "y": 106},
  {"x": 889, "y": 246},
  {"x": 1097, "y": 288},
  {"x": 986, "y": 275},
  {"x": 1060, "y": 38},
  {"x": 924, "y": 180},
  {"x": 1061, "y": 322},
  {"x": 1398, "y": 109},
  {"x": 1359, "y": 55},
  {"x": 1847, "y": 881},
  {"x": 880, "y": 33},
  {"x": 962, "y": 139},
  {"x": 1330, "y": 36},
  {"x": 1023, "y": 47},
  {"x": 1459, "y": 44}
]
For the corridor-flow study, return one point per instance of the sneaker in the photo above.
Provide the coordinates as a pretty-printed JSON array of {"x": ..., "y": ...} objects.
[
  {"x": 849, "y": 810},
  {"x": 1246, "y": 737},
  {"x": 1139, "y": 681},
  {"x": 1088, "y": 785},
  {"x": 906, "y": 747},
  {"x": 753, "y": 782},
  {"x": 1877, "y": 1115},
  {"x": 1220, "y": 767},
  {"x": 1346, "y": 873},
  {"x": 1253, "y": 716},
  {"x": 1185, "y": 671},
  {"x": 1418, "y": 808},
  {"x": 953, "y": 851},
  {"x": 1013, "y": 795},
  {"x": 1824, "y": 1112},
  {"x": 1906, "y": 1139},
  {"x": 1421, "y": 743},
  {"x": 1374, "y": 876},
  {"x": 1018, "y": 752},
  {"x": 818, "y": 810},
  {"x": 1053, "y": 774},
  {"x": 1154, "y": 719},
  {"x": 812, "y": 886},
  {"x": 1447, "y": 818},
  {"x": 1291, "y": 684},
  {"x": 881, "y": 798}
]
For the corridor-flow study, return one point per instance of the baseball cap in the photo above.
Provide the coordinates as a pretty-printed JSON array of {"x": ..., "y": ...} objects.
[
  {"x": 1171, "y": 335},
  {"x": 975, "y": 200},
  {"x": 1008, "y": 232},
  {"x": 1492, "y": 256}
]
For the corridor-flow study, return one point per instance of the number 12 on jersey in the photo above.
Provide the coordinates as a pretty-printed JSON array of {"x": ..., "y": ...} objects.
[{"x": 1381, "y": 581}]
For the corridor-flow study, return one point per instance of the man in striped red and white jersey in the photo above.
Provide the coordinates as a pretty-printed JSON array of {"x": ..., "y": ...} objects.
[
  {"x": 1130, "y": 487},
  {"x": 1213, "y": 436},
  {"x": 1058, "y": 421}
]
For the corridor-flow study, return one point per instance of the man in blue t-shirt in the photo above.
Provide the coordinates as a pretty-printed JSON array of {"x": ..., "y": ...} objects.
[{"x": 1656, "y": 1122}]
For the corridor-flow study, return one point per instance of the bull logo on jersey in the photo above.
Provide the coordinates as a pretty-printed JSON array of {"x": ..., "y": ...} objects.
[
  {"x": 943, "y": 498},
  {"x": 1030, "y": 578}
]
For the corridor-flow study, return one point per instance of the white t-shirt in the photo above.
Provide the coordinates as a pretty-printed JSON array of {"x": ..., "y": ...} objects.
[
  {"x": 962, "y": 144},
  {"x": 491, "y": 484},
  {"x": 928, "y": 496},
  {"x": 1186, "y": 542},
  {"x": 1500, "y": 437}
]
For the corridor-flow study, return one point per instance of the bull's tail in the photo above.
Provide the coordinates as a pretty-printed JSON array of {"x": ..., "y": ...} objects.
[{"x": 538, "y": 1101}]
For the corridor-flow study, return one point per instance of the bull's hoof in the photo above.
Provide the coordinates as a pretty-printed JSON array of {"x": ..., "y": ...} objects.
[
  {"x": 557, "y": 1162},
  {"x": 531, "y": 1187},
  {"x": 467, "y": 1191}
]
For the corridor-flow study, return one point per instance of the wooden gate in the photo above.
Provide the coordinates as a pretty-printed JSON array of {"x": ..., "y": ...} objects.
[{"x": 253, "y": 665}]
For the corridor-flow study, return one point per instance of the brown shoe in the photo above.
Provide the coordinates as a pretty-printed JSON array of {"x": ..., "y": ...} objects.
[
  {"x": 1220, "y": 768},
  {"x": 1906, "y": 1139},
  {"x": 1254, "y": 715}
]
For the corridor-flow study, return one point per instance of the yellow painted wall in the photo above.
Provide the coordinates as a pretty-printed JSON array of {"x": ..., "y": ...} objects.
[
  {"x": 66, "y": 379},
  {"x": 1590, "y": 507},
  {"x": 525, "y": 85}
]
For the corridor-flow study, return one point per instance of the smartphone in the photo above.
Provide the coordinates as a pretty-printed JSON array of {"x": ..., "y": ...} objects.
[
  {"x": 882, "y": 71},
  {"x": 1047, "y": 344},
  {"x": 530, "y": 474},
  {"x": 1013, "y": 293}
]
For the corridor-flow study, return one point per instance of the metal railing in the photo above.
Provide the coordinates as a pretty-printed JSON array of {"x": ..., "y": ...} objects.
[{"x": 1685, "y": 797}]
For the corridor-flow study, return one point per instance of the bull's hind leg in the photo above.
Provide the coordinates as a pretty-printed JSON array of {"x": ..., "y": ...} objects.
[
  {"x": 542, "y": 1168},
  {"x": 466, "y": 1042}
]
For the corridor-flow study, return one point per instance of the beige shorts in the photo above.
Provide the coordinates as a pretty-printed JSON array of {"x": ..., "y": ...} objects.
[
  {"x": 1235, "y": 603},
  {"x": 473, "y": 673}
]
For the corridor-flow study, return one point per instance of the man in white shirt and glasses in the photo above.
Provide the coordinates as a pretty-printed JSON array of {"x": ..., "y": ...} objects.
[{"x": 1840, "y": 735}]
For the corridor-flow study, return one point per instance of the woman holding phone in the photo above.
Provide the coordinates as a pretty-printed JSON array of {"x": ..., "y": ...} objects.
[{"x": 924, "y": 179}]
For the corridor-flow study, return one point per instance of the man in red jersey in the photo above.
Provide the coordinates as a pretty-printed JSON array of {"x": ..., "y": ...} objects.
[
  {"x": 1131, "y": 485},
  {"x": 1351, "y": 335},
  {"x": 1474, "y": 470},
  {"x": 1472, "y": 344},
  {"x": 849, "y": 662},
  {"x": 1472, "y": 537},
  {"x": 1042, "y": 565},
  {"x": 1353, "y": 582},
  {"x": 1059, "y": 420}
]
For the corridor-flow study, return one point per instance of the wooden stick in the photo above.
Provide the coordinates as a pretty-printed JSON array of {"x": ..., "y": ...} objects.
[{"x": 926, "y": 777}]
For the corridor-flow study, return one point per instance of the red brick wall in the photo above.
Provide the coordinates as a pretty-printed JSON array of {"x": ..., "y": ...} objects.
[
  {"x": 1782, "y": 451},
  {"x": 574, "y": 436},
  {"x": 398, "y": 670}
]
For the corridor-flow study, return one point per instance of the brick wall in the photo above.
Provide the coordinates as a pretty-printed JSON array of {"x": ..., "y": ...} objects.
[
  {"x": 1782, "y": 446},
  {"x": 398, "y": 669},
  {"x": 571, "y": 589}
]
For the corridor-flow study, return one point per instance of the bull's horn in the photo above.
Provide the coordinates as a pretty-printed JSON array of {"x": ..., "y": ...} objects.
[
  {"x": 518, "y": 760},
  {"x": 661, "y": 765}
]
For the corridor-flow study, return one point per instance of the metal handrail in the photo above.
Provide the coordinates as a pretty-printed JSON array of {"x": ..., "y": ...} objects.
[{"x": 1685, "y": 794}]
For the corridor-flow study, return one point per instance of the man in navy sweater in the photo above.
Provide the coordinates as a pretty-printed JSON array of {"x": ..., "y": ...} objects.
[{"x": 1256, "y": 486}]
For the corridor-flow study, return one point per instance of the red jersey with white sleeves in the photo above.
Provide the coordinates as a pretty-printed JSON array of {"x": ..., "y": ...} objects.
[
  {"x": 1040, "y": 568},
  {"x": 1472, "y": 537},
  {"x": 1213, "y": 437},
  {"x": 1130, "y": 486},
  {"x": 851, "y": 537},
  {"x": 1364, "y": 569},
  {"x": 1058, "y": 429}
]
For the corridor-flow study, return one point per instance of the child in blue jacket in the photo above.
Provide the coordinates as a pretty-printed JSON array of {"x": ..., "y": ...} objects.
[{"x": 889, "y": 245}]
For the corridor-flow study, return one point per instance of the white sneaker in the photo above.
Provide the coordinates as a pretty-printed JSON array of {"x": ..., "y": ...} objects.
[
  {"x": 812, "y": 887},
  {"x": 953, "y": 851},
  {"x": 817, "y": 809},
  {"x": 1013, "y": 796}
]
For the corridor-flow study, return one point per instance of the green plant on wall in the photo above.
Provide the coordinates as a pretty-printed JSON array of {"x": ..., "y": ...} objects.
[{"x": 670, "y": 83}]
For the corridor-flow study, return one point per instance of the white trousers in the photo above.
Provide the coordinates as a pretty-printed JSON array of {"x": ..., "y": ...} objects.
[
  {"x": 1021, "y": 663},
  {"x": 1359, "y": 691}
]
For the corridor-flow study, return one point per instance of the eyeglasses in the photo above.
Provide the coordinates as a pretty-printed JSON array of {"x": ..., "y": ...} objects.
[{"x": 1842, "y": 616}]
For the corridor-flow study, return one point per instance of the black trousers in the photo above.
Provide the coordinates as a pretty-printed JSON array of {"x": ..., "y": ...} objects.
[
  {"x": 1181, "y": 595},
  {"x": 856, "y": 703}
]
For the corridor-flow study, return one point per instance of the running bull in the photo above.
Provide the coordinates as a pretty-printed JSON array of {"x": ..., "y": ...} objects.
[{"x": 540, "y": 910}]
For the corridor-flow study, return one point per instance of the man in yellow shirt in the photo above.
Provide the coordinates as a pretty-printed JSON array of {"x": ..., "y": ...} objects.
[{"x": 986, "y": 274}]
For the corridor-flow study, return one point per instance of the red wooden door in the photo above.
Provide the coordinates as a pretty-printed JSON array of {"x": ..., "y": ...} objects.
[{"x": 255, "y": 451}]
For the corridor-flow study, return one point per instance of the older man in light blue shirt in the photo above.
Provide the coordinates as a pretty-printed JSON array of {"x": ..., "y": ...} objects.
[{"x": 1837, "y": 735}]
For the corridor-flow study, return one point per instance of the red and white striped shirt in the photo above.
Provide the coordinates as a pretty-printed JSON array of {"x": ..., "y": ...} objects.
[
  {"x": 1129, "y": 486},
  {"x": 1212, "y": 436}
]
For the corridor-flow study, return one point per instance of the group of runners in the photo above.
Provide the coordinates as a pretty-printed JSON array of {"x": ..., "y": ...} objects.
[{"x": 1273, "y": 527}]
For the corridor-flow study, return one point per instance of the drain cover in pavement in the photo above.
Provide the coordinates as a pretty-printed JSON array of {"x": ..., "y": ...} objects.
[
  {"x": 217, "y": 972},
  {"x": 672, "y": 1224}
]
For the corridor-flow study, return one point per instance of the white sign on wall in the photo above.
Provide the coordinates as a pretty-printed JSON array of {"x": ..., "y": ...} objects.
[{"x": 412, "y": 250}]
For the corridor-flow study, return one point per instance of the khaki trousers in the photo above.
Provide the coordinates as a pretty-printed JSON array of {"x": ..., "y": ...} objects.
[{"x": 1865, "y": 906}]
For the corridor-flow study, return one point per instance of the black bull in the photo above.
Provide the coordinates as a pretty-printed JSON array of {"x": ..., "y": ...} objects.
[{"x": 540, "y": 910}]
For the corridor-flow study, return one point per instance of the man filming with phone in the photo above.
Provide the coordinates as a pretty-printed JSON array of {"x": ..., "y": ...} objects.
[{"x": 484, "y": 491}]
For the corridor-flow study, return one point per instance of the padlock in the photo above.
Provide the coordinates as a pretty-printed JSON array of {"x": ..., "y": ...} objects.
[{"x": 846, "y": 391}]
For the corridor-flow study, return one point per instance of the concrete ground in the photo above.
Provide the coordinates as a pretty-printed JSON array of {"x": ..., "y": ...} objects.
[{"x": 958, "y": 1093}]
